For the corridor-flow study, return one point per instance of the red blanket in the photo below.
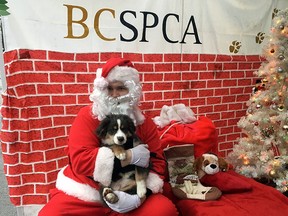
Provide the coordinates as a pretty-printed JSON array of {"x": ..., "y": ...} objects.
[
  {"x": 247, "y": 198},
  {"x": 262, "y": 200},
  {"x": 254, "y": 199}
]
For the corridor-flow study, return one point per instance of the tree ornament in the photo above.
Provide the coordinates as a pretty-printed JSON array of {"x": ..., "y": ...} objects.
[
  {"x": 281, "y": 57},
  {"x": 273, "y": 173},
  {"x": 280, "y": 70},
  {"x": 281, "y": 107},
  {"x": 267, "y": 102},
  {"x": 273, "y": 106}
]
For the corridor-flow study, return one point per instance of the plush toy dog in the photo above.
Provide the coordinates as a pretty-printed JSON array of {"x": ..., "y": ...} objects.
[
  {"x": 214, "y": 171},
  {"x": 209, "y": 164}
]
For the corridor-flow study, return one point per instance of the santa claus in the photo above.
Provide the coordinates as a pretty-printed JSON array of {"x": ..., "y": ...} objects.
[{"x": 117, "y": 90}]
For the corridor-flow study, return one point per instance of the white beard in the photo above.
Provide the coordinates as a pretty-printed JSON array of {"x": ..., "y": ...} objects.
[
  {"x": 104, "y": 105},
  {"x": 125, "y": 105},
  {"x": 121, "y": 105}
]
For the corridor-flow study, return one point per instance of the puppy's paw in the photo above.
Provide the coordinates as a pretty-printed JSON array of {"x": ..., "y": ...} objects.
[
  {"x": 141, "y": 188},
  {"x": 110, "y": 196},
  {"x": 121, "y": 155}
]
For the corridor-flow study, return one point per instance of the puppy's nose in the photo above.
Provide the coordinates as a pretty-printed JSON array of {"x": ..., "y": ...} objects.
[
  {"x": 120, "y": 138},
  {"x": 213, "y": 166}
]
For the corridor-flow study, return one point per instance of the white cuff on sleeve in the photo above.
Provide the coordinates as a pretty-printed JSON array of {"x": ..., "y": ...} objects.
[
  {"x": 154, "y": 183},
  {"x": 104, "y": 166}
]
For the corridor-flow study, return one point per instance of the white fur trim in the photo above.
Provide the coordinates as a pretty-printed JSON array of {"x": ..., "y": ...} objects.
[
  {"x": 207, "y": 155},
  {"x": 104, "y": 166},
  {"x": 100, "y": 83},
  {"x": 154, "y": 183},
  {"x": 123, "y": 73},
  {"x": 99, "y": 73},
  {"x": 76, "y": 189}
]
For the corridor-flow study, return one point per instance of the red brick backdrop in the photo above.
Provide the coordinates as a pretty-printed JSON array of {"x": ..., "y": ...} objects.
[{"x": 46, "y": 89}]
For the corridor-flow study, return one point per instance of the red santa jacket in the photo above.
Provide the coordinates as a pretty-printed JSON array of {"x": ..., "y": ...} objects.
[{"x": 90, "y": 164}]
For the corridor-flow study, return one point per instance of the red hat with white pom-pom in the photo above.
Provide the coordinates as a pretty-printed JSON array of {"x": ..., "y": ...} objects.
[{"x": 116, "y": 69}]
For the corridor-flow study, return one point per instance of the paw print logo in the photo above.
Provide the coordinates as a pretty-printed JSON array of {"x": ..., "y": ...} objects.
[
  {"x": 260, "y": 37},
  {"x": 235, "y": 46},
  {"x": 275, "y": 12}
]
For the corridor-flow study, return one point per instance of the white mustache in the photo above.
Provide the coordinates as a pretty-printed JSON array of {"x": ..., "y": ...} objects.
[{"x": 119, "y": 100}]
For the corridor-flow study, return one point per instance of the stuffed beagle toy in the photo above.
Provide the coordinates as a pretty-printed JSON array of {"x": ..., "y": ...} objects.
[
  {"x": 214, "y": 171},
  {"x": 209, "y": 164}
]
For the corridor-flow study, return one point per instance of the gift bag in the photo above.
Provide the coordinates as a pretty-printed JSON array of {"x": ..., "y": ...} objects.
[{"x": 183, "y": 179}]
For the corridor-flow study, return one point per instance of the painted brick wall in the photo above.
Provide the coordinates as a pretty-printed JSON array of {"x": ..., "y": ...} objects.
[{"x": 46, "y": 89}]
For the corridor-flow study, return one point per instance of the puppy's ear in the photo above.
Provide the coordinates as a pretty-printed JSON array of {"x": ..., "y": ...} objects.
[
  {"x": 103, "y": 127},
  {"x": 198, "y": 163},
  {"x": 223, "y": 165}
]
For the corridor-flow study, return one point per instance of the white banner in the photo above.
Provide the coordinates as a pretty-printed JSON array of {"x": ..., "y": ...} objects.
[{"x": 162, "y": 26}]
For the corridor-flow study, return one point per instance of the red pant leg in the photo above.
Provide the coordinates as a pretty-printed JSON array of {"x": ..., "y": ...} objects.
[
  {"x": 62, "y": 204},
  {"x": 156, "y": 205}
]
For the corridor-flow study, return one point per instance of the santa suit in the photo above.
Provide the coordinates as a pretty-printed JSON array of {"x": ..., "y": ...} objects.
[{"x": 77, "y": 186}]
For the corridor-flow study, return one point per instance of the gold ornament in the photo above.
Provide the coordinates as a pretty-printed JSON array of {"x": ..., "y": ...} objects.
[
  {"x": 273, "y": 173},
  {"x": 276, "y": 162}
]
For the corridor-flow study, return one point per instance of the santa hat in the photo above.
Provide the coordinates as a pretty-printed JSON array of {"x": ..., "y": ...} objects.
[{"x": 116, "y": 69}]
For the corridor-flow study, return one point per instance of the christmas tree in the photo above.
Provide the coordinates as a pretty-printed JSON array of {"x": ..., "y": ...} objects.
[{"x": 262, "y": 153}]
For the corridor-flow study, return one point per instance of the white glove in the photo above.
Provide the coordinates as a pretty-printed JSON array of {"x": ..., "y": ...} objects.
[
  {"x": 126, "y": 202},
  {"x": 140, "y": 155}
]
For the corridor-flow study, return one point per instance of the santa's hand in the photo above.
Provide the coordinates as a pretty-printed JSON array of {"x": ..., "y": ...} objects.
[
  {"x": 126, "y": 202},
  {"x": 140, "y": 155}
]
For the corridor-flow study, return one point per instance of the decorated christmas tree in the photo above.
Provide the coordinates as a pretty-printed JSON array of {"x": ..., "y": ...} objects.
[{"x": 262, "y": 153}]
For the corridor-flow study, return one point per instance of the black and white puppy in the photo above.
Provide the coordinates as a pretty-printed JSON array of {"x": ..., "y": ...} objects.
[{"x": 118, "y": 133}]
